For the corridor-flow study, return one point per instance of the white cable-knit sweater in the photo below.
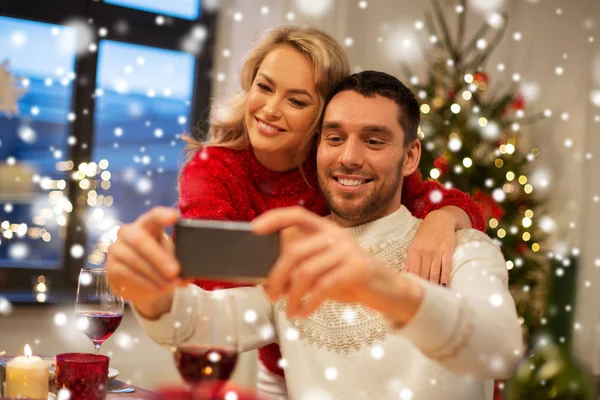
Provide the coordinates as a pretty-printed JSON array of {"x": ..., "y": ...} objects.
[{"x": 460, "y": 339}]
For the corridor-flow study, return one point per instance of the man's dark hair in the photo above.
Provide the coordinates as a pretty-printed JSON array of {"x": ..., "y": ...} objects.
[{"x": 372, "y": 83}]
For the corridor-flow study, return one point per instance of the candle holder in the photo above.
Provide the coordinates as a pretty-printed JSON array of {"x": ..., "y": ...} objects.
[{"x": 84, "y": 375}]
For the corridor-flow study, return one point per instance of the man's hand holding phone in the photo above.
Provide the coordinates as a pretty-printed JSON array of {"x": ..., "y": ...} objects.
[
  {"x": 141, "y": 264},
  {"x": 145, "y": 266}
]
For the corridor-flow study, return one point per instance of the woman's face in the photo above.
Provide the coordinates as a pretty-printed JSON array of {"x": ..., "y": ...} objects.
[{"x": 282, "y": 105}]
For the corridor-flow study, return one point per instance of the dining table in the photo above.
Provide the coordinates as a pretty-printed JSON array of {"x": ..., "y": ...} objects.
[
  {"x": 139, "y": 392},
  {"x": 115, "y": 384}
]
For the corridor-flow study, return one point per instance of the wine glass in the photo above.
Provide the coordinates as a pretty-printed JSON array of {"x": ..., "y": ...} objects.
[
  {"x": 208, "y": 358},
  {"x": 99, "y": 311}
]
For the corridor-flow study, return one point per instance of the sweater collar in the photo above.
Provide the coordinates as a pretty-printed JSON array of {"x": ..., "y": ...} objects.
[
  {"x": 399, "y": 223},
  {"x": 280, "y": 183}
]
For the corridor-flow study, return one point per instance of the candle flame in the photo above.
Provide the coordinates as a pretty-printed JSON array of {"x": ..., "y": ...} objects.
[{"x": 27, "y": 351}]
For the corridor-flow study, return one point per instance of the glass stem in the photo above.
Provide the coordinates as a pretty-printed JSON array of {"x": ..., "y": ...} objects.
[{"x": 97, "y": 346}]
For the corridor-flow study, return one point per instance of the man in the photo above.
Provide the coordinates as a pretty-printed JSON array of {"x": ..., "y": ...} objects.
[{"x": 349, "y": 322}]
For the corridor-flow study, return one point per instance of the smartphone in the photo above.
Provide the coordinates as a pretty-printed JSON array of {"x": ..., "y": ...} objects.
[{"x": 224, "y": 250}]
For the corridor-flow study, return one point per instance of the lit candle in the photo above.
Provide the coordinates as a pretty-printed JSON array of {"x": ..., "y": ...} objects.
[{"x": 27, "y": 377}]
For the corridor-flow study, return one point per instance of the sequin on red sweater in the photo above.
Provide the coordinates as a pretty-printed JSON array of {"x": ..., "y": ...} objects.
[{"x": 224, "y": 184}]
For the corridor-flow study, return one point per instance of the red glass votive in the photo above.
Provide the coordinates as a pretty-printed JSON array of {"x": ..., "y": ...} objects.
[{"x": 84, "y": 375}]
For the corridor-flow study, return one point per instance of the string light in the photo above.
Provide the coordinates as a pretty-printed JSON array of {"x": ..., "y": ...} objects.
[
  {"x": 454, "y": 144},
  {"x": 85, "y": 174},
  {"x": 498, "y": 195},
  {"x": 529, "y": 214},
  {"x": 84, "y": 184}
]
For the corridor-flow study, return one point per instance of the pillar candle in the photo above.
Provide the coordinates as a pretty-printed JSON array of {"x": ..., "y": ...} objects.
[{"x": 27, "y": 377}]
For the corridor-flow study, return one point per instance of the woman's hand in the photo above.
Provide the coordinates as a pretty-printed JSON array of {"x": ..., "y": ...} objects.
[
  {"x": 431, "y": 250},
  {"x": 141, "y": 265}
]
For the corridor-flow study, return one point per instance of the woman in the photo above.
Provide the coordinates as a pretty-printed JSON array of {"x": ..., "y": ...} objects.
[{"x": 259, "y": 155}]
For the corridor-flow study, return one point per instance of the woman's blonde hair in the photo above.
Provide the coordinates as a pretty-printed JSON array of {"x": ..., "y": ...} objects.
[{"x": 226, "y": 121}]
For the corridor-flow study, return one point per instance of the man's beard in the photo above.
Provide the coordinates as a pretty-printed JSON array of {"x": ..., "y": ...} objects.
[{"x": 370, "y": 206}]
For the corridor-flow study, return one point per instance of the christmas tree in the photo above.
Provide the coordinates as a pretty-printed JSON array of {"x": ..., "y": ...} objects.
[{"x": 472, "y": 140}]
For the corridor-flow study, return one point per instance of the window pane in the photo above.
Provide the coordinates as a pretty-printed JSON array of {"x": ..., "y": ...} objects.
[
  {"x": 33, "y": 146},
  {"x": 188, "y": 9},
  {"x": 143, "y": 100}
]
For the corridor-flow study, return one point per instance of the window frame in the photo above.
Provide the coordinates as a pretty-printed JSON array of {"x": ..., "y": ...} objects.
[{"x": 17, "y": 283}]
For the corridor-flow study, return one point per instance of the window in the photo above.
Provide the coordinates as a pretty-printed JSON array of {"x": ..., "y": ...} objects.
[
  {"x": 34, "y": 209},
  {"x": 110, "y": 89},
  {"x": 188, "y": 9},
  {"x": 143, "y": 98}
]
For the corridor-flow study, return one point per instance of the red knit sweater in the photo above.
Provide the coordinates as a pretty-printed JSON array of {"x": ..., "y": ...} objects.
[{"x": 224, "y": 184}]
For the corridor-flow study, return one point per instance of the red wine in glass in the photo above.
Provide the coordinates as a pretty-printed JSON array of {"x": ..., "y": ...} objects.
[
  {"x": 99, "y": 325},
  {"x": 99, "y": 311},
  {"x": 200, "y": 363},
  {"x": 209, "y": 358}
]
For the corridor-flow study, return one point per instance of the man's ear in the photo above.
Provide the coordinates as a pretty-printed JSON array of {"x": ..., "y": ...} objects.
[{"x": 412, "y": 157}]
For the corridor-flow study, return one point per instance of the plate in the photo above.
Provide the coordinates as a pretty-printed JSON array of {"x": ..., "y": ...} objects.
[{"x": 112, "y": 373}]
